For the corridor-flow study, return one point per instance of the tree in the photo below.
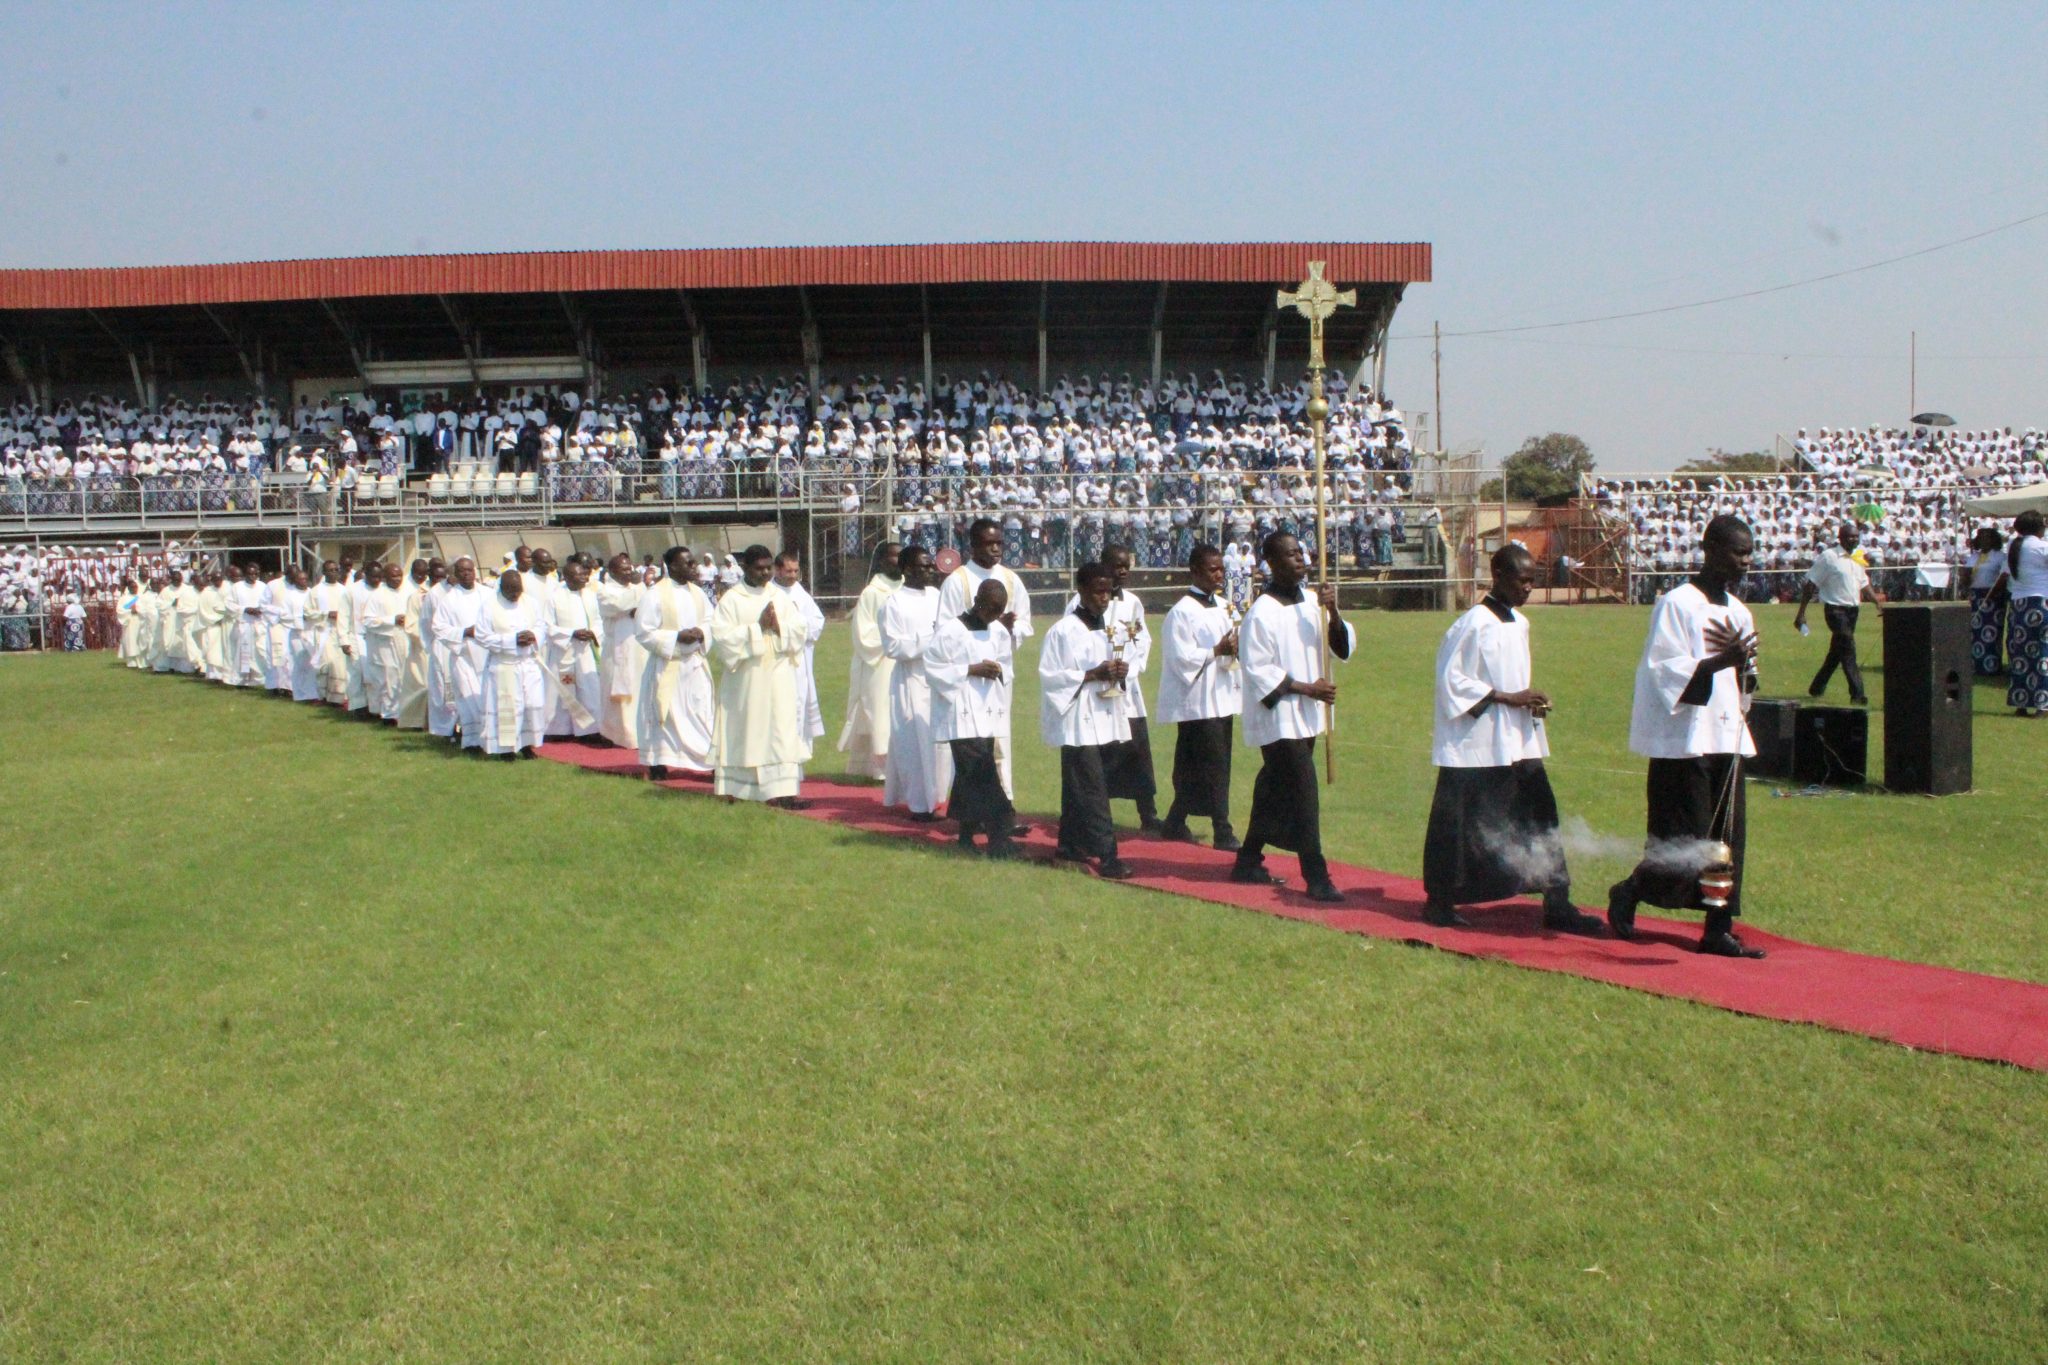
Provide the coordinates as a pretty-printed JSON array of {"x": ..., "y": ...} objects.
[
  {"x": 1545, "y": 467},
  {"x": 1732, "y": 462}
]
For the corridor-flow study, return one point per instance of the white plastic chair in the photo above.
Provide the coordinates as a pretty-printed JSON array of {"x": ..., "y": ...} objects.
[
  {"x": 462, "y": 488},
  {"x": 508, "y": 486},
  {"x": 529, "y": 485},
  {"x": 437, "y": 488}
]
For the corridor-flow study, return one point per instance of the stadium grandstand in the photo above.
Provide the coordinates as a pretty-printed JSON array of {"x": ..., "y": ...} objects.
[
  {"x": 1910, "y": 488},
  {"x": 1079, "y": 393}
]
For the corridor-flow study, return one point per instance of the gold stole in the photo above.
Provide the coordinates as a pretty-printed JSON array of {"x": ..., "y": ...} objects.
[{"x": 668, "y": 679}]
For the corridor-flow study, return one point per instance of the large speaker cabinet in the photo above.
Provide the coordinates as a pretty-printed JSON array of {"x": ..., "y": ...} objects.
[{"x": 1927, "y": 697}]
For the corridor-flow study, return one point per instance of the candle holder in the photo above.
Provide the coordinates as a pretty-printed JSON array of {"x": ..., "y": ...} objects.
[{"x": 1121, "y": 634}]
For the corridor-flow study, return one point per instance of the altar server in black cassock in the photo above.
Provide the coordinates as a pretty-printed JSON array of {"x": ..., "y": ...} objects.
[
  {"x": 969, "y": 666},
  {"x": 1127, "y": 767},
  {"x": 1075, "y": 717},
  {"x": 1493, "y": 825},
  {"x": 1280, "y": 648},
  {"x": 1200, "y": 694},
  {"x": 1692, "y": 688}
]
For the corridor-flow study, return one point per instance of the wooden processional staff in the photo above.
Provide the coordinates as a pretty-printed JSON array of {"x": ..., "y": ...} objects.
[{"x": 1316, "y": 300}]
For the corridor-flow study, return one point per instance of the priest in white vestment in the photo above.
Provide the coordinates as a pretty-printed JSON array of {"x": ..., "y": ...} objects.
[
  {"x": 675, "y": 694},
  {"x": 1691, "y": 720},
  {"x": 864, "y": 739},
  {"x": 969, "y": 665},
  {"x": 789, "y": 576},
  {"x": 985, "y": 562},
  {"x": 758, "y": 747},
  {"x": 1127, "y": 768},
  {"x": 514, "y": 692},
  {"x": 575, "y": 637},
  {"x": 328, "y": 630},
  {"x": 412, "y": 685},
  {"x": 1493, "y": 829},
  {"x": 619, "y": 591},
  {"x": 246, "y": 657},
  {"x": 356, "y": 644},
  {"x": 919, "y": 770},
  {"x": 386, "y": 630},
  {"x": 281, "y": 620},
  {"x": 457, "y": 656}
]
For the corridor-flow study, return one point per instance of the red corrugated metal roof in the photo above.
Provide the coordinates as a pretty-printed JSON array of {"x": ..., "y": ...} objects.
[{"x": 718, "y": 268}]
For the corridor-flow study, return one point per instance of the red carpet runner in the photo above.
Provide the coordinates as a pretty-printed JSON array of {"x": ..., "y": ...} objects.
[{"x": 1936, "y": 1009}]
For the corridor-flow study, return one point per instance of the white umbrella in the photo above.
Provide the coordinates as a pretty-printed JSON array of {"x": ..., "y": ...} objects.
[{"x": 2010, "y": 503}]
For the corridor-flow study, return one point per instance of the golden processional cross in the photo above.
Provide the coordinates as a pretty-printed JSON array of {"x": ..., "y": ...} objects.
[{"x": 1316, "y": 300}]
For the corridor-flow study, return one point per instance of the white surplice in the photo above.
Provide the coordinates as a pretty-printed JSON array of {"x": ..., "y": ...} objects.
[
  {"x": 1662, "y": 726},
  {"x": 1073, "y": 710},
  {"x": 1195, "y": 682},
  {"x": 1482, "y": 654},
  {"x": 1279, "y": 641}
]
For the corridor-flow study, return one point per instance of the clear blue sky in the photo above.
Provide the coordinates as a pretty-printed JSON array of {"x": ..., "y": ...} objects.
[{"x": 1564, "y": 161}]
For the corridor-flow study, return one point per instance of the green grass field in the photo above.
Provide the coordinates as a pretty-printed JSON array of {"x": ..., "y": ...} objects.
[{"x": 318, "y": 1043}]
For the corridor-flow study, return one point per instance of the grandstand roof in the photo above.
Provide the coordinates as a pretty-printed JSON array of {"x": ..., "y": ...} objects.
[
  {"x": 710, "y": 268},
  {"x": 748, "y": 308}
]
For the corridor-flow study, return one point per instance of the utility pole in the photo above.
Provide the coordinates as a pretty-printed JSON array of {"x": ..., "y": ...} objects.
[{"x": 1436, "y": 360}]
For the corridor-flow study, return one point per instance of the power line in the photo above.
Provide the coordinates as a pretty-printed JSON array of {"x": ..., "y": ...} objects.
[{"x": 1744, "y": 294}]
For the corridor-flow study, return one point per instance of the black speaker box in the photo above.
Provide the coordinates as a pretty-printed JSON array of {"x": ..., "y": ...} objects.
[
  {"x": 1927, "y": 698},
  {"x": 1773, "y": 724},
  {"x": 1833, "y": 746}
]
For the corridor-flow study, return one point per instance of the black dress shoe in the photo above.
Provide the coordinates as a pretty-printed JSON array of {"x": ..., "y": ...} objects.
[
  {"x": 1727, "y": 945},
  {"x": 1177, "y": 834},
  {"x": 1327, "y": 893},
  {"x": 1020, "y": 830},
  {"x": 789, "y": 803},
  {"x": 1152, "y": 827},
  {"x": 1444, "y": 917},
  {"x": 1226, "y": 842},
  {"x": 1621, "y": 910},
  {"x": 1255, "y": 875},
  {"x": 1115, "y": 870},
  {"x": 657, "y": 773},
  {"x": 925, "y": 817},
  {"x": 1569, "y": 921},
  {"x": 1003, "y": 851}
]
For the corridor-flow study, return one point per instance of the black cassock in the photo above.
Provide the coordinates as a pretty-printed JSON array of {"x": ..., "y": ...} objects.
[
  {"x": 1287, "y": 808},
  {"x": 1085, "y": 828},
  {"x": 1201, "y": 770},
  {"x": 1492, "y": 834},
  {"x": 977, "y": 800},
  {"x": 1127, "y": 765},
  {"x": 1691, "y": 799}
]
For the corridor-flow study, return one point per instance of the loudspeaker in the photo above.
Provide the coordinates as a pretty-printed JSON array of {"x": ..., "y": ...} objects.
[
  {"x": 1927, "y": 681},
  {"x": 1773, "y": 724},
  {"x": 1833, "y": 746}
]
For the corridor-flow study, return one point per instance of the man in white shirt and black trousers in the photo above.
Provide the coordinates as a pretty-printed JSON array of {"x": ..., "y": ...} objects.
[
  {"x": 1690, "y": 720},
  {"x": 1493, "y": 823},
  {"x": 1200, "y": 694},
  {"x": 1841, "y": 583},
  {"x": 1280, "y": 648}
]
